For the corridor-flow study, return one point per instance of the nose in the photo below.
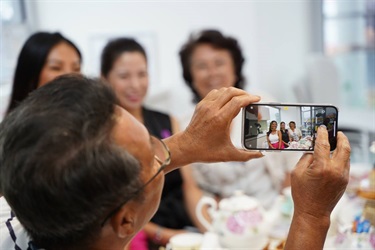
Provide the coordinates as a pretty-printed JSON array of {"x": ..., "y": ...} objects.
[
  {"x": 212, "y": 70},
  {"x": 134, "y": 82},
  {"x": 67, "y": 70}
]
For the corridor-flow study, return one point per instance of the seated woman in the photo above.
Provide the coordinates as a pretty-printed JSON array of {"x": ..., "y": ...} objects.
[
  {"x": 274, "y": 137},
  {"x": 124, "y": 68},
  {"x": 284, "y": 135},
  {"x": 43, "y": 57},
  {"x": 294, "y": 133},
  {"x": 210, "y": 61}
]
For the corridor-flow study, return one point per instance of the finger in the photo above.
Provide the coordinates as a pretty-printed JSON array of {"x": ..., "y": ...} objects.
[
  {"x": 228, "y": 94},
  {"x": 212, "y": 95},
  {"x": 322, "y": 146},
  {"x": 243, "y": 155},
  {"x": 342, "y": 152},
  {"x": 224, "y": 95},
  {"x": 234, "y": 105},
  {"x": 305, "y": 161}
]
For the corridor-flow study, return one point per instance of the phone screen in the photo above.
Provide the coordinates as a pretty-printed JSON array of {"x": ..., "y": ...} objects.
[{"x": 286, "y": 127}]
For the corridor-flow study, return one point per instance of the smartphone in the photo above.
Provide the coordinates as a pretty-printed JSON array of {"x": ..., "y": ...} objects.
[{"x": 286, "y": 127}]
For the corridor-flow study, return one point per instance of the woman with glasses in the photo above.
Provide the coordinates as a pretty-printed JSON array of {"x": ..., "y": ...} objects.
[{"x": 124, "y": 68}]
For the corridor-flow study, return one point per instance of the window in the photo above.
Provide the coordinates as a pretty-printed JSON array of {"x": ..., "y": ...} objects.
[{"x": 349, "y": 39}]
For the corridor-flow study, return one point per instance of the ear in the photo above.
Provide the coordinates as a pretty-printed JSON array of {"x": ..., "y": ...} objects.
[{"x": 123, "y": 222}]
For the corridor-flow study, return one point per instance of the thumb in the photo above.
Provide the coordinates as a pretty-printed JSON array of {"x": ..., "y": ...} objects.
[{"x": 245, "y": 155}]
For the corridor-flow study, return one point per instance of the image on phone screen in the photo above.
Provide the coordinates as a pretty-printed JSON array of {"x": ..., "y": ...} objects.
[{"x": 287, "y": 126}]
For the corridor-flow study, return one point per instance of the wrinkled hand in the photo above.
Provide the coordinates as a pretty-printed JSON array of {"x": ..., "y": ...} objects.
[
  {"x": 207, "y": 138},
  {"x": 319, "y": 180}
]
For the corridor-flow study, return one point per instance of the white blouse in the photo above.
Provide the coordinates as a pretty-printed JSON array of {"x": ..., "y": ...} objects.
[
  {"x": 295, "y": 135},
  {"x": 274, "y": 138},
  {"x": 261, "y": 178}
]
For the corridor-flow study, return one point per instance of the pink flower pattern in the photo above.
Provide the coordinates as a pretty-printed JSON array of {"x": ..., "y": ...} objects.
[{"x": 239, "y": 221}]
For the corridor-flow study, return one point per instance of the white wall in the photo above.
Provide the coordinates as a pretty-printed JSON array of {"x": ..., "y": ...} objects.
[
  {"x": 291, "y": 114},
  {"x": 274, "y": 35}
]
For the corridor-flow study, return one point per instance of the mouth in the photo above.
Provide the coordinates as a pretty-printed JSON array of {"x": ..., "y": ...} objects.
[
  {"x": 134, "y": 98},
  {"x": 216, "y": 83}
]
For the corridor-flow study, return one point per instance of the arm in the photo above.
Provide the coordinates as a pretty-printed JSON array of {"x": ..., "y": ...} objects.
[
  {"x": 269, "y": 142},
  {"x": 280, "y": 138},
  {"x": 207, "y": 137},
  {"x": 318, "y": 182},
  {"x": 160, "y": 235},
  {"x": 290, "y": 136},
  {"x": 192, "y": 193}
]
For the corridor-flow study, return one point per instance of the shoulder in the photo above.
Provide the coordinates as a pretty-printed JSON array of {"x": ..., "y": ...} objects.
[
  {"x": 150, "y": 112},
  {"x": 12, "y": 233}
]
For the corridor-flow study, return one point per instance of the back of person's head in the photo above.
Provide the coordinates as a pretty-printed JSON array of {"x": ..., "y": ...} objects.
[
  {"x": 114, "y": 49},
  {"x": 61, "y": 172},
  {"x": 218, "y": 41},
  {"x": 30, "y": 62}
]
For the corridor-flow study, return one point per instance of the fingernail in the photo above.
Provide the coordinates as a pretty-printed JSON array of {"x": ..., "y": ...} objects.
[{"x": 323, "y": 126}]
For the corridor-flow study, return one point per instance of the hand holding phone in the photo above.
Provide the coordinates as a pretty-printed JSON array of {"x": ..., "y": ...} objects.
[{"x": 286, "y": 127}]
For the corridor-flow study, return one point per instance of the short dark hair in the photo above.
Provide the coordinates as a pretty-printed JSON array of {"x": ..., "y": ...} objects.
[
  {"x": 30, "y": 63},
  {"x": 113, "y": 50},
  {"x": 61, "y": 172},
  {"x": 217, "y": 40}
]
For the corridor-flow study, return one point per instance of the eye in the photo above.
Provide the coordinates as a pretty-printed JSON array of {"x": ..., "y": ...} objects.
[
  {"x": 76, "y": 69},
  {"x": 220, "y": 62},
  {"x": 123, "y": 76},
  {"x": 55, "y": 68},
  {"x": 201, "y": 66},
  {"x": 143, "y": 74}
]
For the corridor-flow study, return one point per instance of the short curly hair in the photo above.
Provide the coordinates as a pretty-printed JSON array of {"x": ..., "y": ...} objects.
[{"x": 219, "y": 41}]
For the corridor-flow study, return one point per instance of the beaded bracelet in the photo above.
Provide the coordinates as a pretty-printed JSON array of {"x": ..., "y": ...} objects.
[{"x": 158, "y": 235}]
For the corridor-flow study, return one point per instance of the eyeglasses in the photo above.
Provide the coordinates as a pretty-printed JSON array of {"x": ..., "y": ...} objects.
[{"x": 163, "y": 156}]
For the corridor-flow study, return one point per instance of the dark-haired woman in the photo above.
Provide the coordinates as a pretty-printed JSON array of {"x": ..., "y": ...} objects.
[
  {"x": 211, "y": 60},
  {"x": 294, "y": 133},
  {"x": 274, "y": 137},
  {"x": 124, "y": 67},
  {"x": 43, "y": 57},
  {"x": 284, "y": 135}
]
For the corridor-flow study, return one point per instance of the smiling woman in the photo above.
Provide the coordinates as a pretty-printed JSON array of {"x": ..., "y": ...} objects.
[
  {"x": 43, "y": 57},
  {"x": 124, "y": 67}
]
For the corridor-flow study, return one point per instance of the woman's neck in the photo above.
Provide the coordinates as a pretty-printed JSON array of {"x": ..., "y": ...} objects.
[{"x": 137, "y": 113}]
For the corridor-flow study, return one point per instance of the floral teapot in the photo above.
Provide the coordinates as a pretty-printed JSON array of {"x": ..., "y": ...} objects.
[{"x": 239, "y": 221}]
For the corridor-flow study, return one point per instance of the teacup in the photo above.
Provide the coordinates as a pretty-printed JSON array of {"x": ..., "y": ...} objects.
[{"x": 185, "y": 241}]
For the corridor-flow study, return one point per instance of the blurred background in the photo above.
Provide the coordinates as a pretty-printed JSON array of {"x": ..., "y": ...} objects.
[{"x": 320, "y": 51}]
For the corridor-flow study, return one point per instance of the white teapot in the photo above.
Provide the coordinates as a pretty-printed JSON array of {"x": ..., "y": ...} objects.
[{"x": 239, "y": 221}]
